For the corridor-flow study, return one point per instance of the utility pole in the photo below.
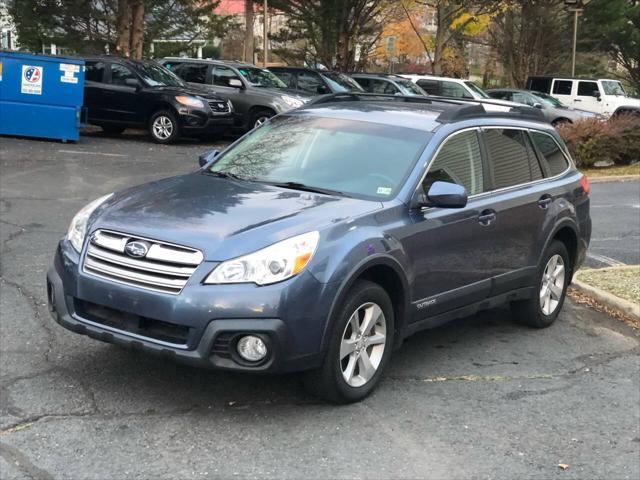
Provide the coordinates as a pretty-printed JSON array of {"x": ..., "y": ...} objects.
[
  {"x": 575, "y": 6},
  {"x": 266, "y": 30}
]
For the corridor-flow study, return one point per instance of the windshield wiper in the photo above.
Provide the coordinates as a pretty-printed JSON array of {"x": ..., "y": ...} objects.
[{"x": 307, "y": 188}]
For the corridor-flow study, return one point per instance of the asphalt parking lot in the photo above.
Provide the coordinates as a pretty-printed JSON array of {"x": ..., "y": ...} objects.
[{"x": 479, "y": 398}]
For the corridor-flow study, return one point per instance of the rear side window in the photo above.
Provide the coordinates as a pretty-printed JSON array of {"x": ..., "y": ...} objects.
[
  {"x": 309, "y": 81},
  {"x": 94, "y": 72},
  {"x": 500, "y": 95},
  {"x": 562, "y": 87},
  {"x": 429, "y": 86},
  {"x": 587, "y": 89},
  {"x": 510, "y": 157},
  {"x": 452, "y": 89},
  {"x": 193, "y": 73},
  {"x": 540, "y": 85},
  {"x": 283, "y": 75},
  {"x": 458, "y": 161},
  {"x": 553, "y": 156}
]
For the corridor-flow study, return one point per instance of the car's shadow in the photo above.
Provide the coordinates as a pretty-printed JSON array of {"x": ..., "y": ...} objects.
[
  {"x": 133, "y": 134},
  {"x": 124, "y": 379}
]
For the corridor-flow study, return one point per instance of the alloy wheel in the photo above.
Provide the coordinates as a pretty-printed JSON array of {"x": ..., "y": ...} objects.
[
  {"x": 162, "y": 127},
  {"x": 363, "y": 343},
  {"x": 552, "y": 284},
  {"x": 260, "y": 121}
]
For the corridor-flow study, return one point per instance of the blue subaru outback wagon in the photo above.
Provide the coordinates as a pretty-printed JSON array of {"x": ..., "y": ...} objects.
[{"x": 322, "y": 239}]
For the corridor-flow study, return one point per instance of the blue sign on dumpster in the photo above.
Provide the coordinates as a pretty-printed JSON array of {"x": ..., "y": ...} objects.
[{"x": 41, "y": 96}]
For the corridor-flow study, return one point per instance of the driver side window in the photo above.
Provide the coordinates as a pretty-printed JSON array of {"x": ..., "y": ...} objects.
[{"x": 458, "y": 161}]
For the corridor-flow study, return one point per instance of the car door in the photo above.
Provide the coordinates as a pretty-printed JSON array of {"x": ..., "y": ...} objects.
[
  {"x": 588, "y": 96},
  {"x": 123, "y": 101},
  {"x": 94, "y": 86},
  {"x": 451, "y": 250},
  {"x": 521, "y": 205},
  {"x": 563, "y": 90},
  {"x": 220, "y": 77}
]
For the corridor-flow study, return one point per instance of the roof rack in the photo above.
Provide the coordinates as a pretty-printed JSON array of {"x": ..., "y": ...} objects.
[{"x": 469, "y": 107}]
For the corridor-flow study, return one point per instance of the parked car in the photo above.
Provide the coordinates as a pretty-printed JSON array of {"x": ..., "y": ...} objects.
[
  {"x": 256, "y": 93},
  {"x": 316, "y": 82},
  {"x": 553, "y": 109},
  {"x": 598, "y": 95},
  {"x": 323, "y": 238},
  {"x": 387, "y": 84},
  {"x": 447, "y": 87},
  {"x": 121, "y": 93}
]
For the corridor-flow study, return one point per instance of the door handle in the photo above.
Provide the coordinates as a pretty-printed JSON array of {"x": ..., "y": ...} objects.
[
  {"x": 577, "y": 100},
  {"x": 486, "y": 217},
  {"x": 544, "y": 201}
]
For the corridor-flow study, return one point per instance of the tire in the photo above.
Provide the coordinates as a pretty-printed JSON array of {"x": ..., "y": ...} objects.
[
  {"x": 329, "y": 381},
  {"x": 112, "y": 129},
  {"x": 258, "y": 117},
  {"x": 560, "y": 121},
  {"x": 163, "y": 127},
  {"x": 535, "y": 312}
]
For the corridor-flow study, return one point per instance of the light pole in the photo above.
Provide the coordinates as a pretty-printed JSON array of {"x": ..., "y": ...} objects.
[
  {"x": 575, "y": 6},
  {"x": 265, "y": 32}
]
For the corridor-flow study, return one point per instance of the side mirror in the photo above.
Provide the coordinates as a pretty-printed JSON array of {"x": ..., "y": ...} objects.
[
  {"x": 132, "y": 82},
  {"x": 322, "y": 89},
  {"x": 596, "y": 93},
  {"x": 537, "y": 105},
  {"x": 235, "y": 83},
  {"x": 441, "y": 194},
  {"x": 207, "y": 157}
]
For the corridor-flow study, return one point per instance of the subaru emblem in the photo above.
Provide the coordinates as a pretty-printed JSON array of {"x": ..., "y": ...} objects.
[{"x": 136, "y": 248}]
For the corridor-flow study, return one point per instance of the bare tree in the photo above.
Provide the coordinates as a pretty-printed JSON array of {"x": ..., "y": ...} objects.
[
  {"x": 248, "y": 31},
  {"x": 123, "y": 28},
  {"x": 137, "y": 28}
]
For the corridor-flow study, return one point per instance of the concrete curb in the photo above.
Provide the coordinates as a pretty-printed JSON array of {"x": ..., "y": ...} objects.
[
  {"x": 612, "y": 301},
  {"x": 614, "y": 178}
]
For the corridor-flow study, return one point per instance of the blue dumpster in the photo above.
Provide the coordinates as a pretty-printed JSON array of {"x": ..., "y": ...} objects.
[{"x": 41, "y": 96}]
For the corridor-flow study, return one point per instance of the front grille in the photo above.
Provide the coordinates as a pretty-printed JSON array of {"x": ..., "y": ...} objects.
[
  {"x": 219, "y": 106},
  {"x": 131, "y": 323},
  {"x": 165, "y": 267}
]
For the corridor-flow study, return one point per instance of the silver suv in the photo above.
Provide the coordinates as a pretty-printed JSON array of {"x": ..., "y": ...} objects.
[{"x": 256, "y": 93}]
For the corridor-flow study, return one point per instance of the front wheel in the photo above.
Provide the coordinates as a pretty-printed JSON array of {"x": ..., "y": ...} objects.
[
  {"x": 163, "y": 127},
  {"x": 359, "y": 348},
  {"x": 258, "y": 117},
  {"x": 553, "y": 278}
]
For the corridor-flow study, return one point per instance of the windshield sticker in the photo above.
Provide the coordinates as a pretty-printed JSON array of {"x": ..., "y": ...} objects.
[{"x": 384, "y": 191}]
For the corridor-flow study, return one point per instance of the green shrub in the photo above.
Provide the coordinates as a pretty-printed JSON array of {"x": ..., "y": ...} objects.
[{"x": 616, "y": 140}]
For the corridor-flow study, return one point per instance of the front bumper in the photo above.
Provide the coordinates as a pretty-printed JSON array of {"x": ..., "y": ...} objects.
[
  {"x": 196, "y": 122},
  {"x": 215, "y": 316}
]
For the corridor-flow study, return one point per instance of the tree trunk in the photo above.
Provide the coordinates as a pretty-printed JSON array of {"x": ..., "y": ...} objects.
[
  {"x": 137, "y": 29},
  {"x": 248, "y": 31},
  {"x": 123, "y": 20}
]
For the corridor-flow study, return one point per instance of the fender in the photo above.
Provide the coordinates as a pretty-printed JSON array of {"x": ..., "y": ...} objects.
[
  {"x": 379, "y": 259},
  {"x": 561, "y": 223}
]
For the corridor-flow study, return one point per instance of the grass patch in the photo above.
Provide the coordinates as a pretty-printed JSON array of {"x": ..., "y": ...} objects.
[
  {"x": 614, "y": 171},
  {"x": 624, "y": 282}
]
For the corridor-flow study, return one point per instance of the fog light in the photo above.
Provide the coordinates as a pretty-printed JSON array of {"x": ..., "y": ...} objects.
[{"x": 252, "y": 348}]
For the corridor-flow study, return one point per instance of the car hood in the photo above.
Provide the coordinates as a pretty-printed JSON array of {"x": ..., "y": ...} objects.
[
  {"x": 222, "y": 217},
  {"x": 188, "y": 90}
]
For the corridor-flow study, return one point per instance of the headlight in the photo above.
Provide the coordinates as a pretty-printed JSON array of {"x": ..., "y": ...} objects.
[
  {"x": 78, "y": 227},
  {"x": 230, "y": 105},
  {"x": 271, "y": 264},
  {"x": 292, "y": 101},
  {"x": 189, "y": 101}
]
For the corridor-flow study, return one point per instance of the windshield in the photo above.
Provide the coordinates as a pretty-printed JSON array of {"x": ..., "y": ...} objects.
[
  {"x": 613, "y": 87},
  {"x": 259, "y": 77},
  {"x": 409, "y": 88},
  {"x": 477, "y": 90},
  {"x": 355, "y": 158},
  {"x": 157, "y": 76},
  {"x": 341, "y": 83},
  {"x": 549, "y": 101}
]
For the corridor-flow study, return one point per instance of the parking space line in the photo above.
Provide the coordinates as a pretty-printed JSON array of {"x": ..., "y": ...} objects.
[{"x": 84, "y": 152}]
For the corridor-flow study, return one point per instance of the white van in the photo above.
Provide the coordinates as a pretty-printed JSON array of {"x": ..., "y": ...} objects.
[{"x": 603, "y": 95}]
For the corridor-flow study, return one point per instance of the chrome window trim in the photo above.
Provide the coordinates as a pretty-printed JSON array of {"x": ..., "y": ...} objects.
[{"x": 504, "y": 189}]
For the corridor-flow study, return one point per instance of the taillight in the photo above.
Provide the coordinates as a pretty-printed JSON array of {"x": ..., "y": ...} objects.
[{"x": 584, "y": 184}]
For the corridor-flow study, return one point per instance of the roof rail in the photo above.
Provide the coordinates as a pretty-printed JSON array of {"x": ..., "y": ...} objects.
[{"x": 470, "y": 107}]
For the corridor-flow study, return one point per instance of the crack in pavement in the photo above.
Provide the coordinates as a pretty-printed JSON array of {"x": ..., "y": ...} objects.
[{"x": 15, "y": 457}]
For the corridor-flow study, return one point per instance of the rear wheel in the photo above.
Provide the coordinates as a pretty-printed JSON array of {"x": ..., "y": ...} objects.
[
  {"x": 163, "y": 127},
  {"x": 560, "y": 121},
  {"x": 553, "y": 276},
  {"x": 359, "y": 348}
]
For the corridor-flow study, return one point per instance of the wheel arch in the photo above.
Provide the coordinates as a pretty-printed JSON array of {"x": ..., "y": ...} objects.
[
  {"x": 567, "y": 233},
  {"x": 386, "y": 272}
]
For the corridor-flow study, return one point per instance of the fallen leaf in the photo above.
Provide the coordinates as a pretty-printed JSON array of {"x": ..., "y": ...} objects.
[{"x": 563, "y": 466}]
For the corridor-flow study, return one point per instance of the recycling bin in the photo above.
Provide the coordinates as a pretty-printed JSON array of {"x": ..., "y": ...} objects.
[{"x": 41, "y": 96}]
